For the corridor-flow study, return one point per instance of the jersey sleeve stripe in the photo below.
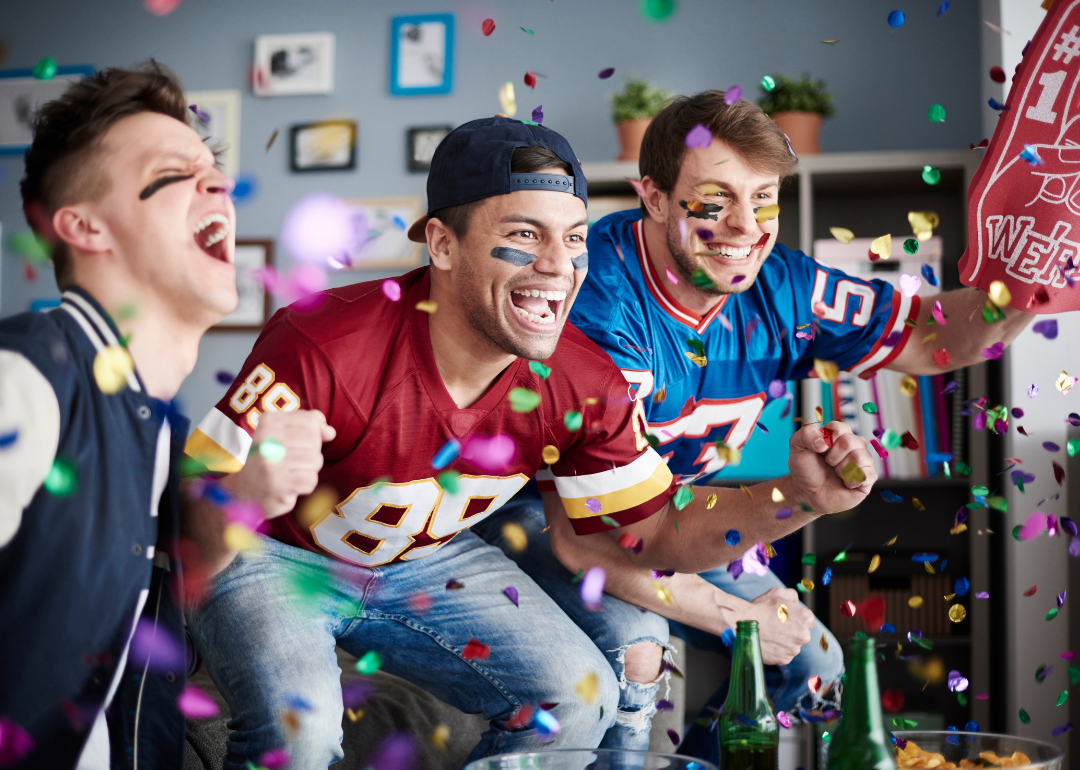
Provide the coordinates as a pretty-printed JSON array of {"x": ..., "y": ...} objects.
[
  {"x": 219, "y": 443},
  {"x": 619, "y": 491},
  {"x": 612, "y": 480},
  {"x": 904, "y": 309}
]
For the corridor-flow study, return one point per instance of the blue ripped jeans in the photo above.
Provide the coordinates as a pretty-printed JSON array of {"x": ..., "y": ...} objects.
[
  {"x": 621, "y": 624},
  {"x": 269, "y": 626}
]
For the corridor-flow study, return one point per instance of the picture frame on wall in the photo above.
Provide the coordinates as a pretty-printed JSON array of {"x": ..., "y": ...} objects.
[
  {"x": 422, "y": 54},
  {"x": 254, "y": 309},
  {"x": 292, "y": 65},
  {"x": 387, "y": 222},
  {"x": 21, "y": 94},
  {"x": 420, "y": 145},
  {"x": 221, "y": 127},
  {"x": 329, "y": 145}
]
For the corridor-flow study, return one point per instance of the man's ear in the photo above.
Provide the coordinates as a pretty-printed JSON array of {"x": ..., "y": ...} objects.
[
  {"x": 656, "y": 202},
  {"x": 441, "y": 244},
  {"x": 77, "y": 227}
]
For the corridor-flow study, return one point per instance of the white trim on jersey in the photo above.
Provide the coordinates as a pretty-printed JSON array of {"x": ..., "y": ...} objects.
[
  {"x": 103, "y": 328},
  {"x": 874, "y": 360},
  {"x": 226, "y": 434},
  {"x": 606, "y": 482}
]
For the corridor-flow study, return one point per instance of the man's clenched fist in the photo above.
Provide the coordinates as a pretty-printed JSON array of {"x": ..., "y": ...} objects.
[
  {"x": 274, "y": 479},
  {"x": 780, "y": 640},
  {"x": 817, "y": 469}
]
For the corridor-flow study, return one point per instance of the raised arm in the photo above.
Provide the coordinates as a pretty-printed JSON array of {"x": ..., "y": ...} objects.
[{"x": 964, "y": 334}]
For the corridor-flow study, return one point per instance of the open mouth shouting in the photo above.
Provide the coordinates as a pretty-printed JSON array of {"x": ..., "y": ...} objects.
[
  {"x": 537, "y": 309},
  {"x": 735, "y": 256},
  {"x": 210, "y": 235}
]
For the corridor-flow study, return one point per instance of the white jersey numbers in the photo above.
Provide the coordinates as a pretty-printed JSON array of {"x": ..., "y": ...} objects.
[{"x": 279, "y": 398}]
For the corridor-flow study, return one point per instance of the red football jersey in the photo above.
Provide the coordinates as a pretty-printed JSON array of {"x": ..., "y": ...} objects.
[{"x": 366, "y": 363}]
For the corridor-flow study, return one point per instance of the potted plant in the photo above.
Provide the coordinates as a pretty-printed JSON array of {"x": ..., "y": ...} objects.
[
  {"x": 797, "y": 107},
  {"x": 633, "y": 110}
]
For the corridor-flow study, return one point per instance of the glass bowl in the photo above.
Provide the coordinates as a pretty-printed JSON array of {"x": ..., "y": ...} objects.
[
  {"x": 595, "y": 759},
  {"x": 959, "y": 745}
]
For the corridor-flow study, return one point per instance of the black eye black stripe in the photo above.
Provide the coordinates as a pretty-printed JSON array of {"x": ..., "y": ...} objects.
[{"x": 155, "y": 186}]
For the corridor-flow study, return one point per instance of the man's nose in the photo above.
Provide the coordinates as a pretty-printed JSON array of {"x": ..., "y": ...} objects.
[
  {"x": 213, "y": 182},
  {"x": 554, "y": 259},
  {"x": 741, "y": 217}
]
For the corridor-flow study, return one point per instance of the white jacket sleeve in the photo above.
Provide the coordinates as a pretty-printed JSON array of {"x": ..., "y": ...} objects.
[{"x": 29, "y": 436}]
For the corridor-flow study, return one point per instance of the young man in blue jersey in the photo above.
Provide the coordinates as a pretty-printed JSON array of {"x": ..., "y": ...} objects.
[
  {"x": 701, "y": 308},
  {"x": 141, "y": 228}
]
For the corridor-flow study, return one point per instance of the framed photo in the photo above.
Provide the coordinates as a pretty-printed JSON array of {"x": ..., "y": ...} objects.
[
  {"x": 289, "y": 65},
  {"x": 254, "y": 309},
  {"x": 421, "y": 144},
  {"x": 329, "y": 145},
  {"x": 422, "y": 54},
  {"x": 21, "y": 94},
  {"x": 388, "y": 245},
  {"x": 221, "y": 129}
]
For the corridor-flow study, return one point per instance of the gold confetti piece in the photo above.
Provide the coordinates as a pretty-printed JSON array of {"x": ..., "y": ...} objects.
[
  {"x": 765, "y": 213},
  {"x": 853, "y": 472},
  {"x": 292, "y": 722},
  {"x": 699, "y": 360},
  {"x": 551, "y": 454},
  {"x": 918, "y": 504},
  {"x": 710, "y": 502},
  {"x": 709, "y": 189},
  {"x": 273, "y": 136},
  {"x": 732, "y": 455},
  {"x": 958, "y": 529},
  {"x": 427, "y": 306},
  {"x": 440, "y": 736},
  {"x": 929, "y": 567},
  {"x": 1063, "y": 383},
  {"x": 819, "y": 414},
  {"x": 782, "y": 613},
  {"x": 915, "y": 602},
  {"x": 950, "y": 597},
  {"x": 826, "y": 370},
  {"x": 507, "y": 100},
  {"x": 929, "y": 337},
  {"x": 999, "y": 294},
  {"x": 660, "y": 396},
  {"x": 909, "y": 386},
  {"x": 315, "y": 506},
  {"x": 695, "y": 206},
  {"x": 770, "y": 551},
  {"x": 807, "y": 584},
  {"x": 875, "y": 562},
  {"x": 112, "y": 365},
  {"x": 590, "y": 401},
  {"x": 824, "y": 642},
  {"x": 515, "y": 536},
  {"x": 239, "y": 538},
  {"x": 829, "y": 42},
  {"x": 354, "y": 715},
  {"x": 842, "y": 234},
  {"x": 777, "y": 495},
  {"x": 662, "y": 592},
  {"x": 893, "y": 541},
  {"x": 957, "y": 613},
  {"x": 588, "y": 687},
  {"x": 923, "y": 224},
  {"x": 545, "y": 529},
  {"x": 882, "y": 246},
  {"x": 746, "y": 491}
]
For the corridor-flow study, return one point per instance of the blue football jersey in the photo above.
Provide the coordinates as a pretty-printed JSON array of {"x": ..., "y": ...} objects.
[{"x": 796, "y": 311}]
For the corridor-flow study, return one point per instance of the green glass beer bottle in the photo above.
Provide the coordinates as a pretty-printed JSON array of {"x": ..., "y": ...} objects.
[
  {"x": 860, "y": 741},
  {"x": 749, "y": 732}
]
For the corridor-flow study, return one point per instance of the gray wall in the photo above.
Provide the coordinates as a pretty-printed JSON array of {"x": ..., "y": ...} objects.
[{"x": 883, "y": 80}]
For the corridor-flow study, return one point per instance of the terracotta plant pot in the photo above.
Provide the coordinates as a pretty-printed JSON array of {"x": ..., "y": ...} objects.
[
  {"x": 631, "y": 132},
  {"x": 802, "y": 129}
]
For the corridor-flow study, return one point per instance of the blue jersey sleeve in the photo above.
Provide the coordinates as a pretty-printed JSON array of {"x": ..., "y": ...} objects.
[{"x": 857, "y": 324}]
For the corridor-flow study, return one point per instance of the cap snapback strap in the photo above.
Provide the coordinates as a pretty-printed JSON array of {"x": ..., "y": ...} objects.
[{"x": 556, "y": 182}]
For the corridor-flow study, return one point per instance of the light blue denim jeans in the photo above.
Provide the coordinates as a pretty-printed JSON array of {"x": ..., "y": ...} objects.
[
  {"x": 621, "y": 624},
  {"x": 268, "y": 629}
]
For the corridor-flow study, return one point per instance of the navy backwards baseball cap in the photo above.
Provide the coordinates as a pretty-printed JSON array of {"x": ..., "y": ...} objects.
[{"x": 472, "y": 162}]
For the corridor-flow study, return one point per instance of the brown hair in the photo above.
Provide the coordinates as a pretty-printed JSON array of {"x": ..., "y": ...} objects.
[
  {"x": 61, "y": 163},
  {"x": 742, "y": 125},
  {"x": 525, "y": 160}
]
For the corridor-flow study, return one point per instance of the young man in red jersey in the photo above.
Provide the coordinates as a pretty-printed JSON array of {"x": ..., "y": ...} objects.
[{"x": 418, "y": 425}]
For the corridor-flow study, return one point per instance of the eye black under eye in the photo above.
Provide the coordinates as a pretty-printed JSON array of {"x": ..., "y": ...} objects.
[{"x": 157, "y": 184}]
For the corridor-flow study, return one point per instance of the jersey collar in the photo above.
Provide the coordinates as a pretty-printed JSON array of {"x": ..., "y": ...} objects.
[{"x": 660, "y": 293}]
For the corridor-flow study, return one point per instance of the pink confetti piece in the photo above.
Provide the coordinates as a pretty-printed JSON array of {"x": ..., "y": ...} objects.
[
  {"x": 274, "y": 759},
  {"x": 155, "y": 648},
  {"x": 671, "y": 277},
  {"x": 592, "y": 588},
  {"x": 489, "y": 453},
  {"x": 1033, "y": 527},
  {"x": 391, "y": 289},
  {"x": 937, "y": 313},
  {"x": 783, "y": 719},
  {"x": 909, "y": 284},
  {"x": 593, "y": 505},
  {"x": 161, "y": 7},
  {"x": 512, "y": 595},
  {"x": 15, "y": 743},
  {"x": 606, "y": 73},
  {"x": 732, "y": 95},
  {"x": 195, "y": 704},
  {"x": 698, "y": 137}
]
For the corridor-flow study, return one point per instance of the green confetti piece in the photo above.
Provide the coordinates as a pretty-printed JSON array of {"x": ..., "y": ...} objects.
[
  {"x": 1020, "y": 483},
  {"x": 842, "y": 556},
  {"x": 683, "y": 496},
  {"x": 1038, "y": 674},
  {"x": 961, "y": 699},
  {"x": 370, "y": 663},
  {"x": 524, "y": 400},
  {"x": 936, "y": 113},
  {"x": 310, "y": 583},
  {"x": 527, "y": 31},
  {"x": 61, "y": 480},
  {"x": 991, "y": 313},
  {"x": 904, "y": 724},
  {"x": 945, "y": 466},
  {"x": 799, "y": 587},
  {"x": 1073, "y": 446},
  {"x": 29, "y": 246},
  {"x": 653, "y": 440},
  {"x": 1016, "y": 533},
  {"x": 767, "y": 84},
  {"x": 701, "y": 279},
  {"x": 580, "y": 574},
  {"x": 809, "y": 559},
  {"x": 272, "y": 450},
  {"x": 45, "y": 69},
  {"x": 697, "y": 346},
  {"x": 1062, "y": 698},
  {"x": 963, "y": 469},
  {"x": 609, "y": 521},
  {"x": 540, "y": 369},
  {"x": 925, "y": 643},
  {"x": 656, "y": 11},
  {"x": 448, "y": 480},
  {"x": 998, "y": 503},
  {"x": 1024, "y": 717},
  {"x": 890, "y": 439},
  {"x": 911, "y": 246},
  {"x": 572, "y": 420},
  {"x": 980, "y": 491},
  {"x": 676, "y": 526},
  {"x": 1052, "y": 614},
  {"x": 1074, "y": 674},
  {"x": 931, "y": 176},
  {"x": 870, "y": 407},
  {"x": 825, "y": 737}
]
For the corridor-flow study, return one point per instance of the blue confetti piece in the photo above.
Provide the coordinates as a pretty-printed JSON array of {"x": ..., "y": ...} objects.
[
  {"x": 942, "y": 565},
  {"x": 245, "y": 189},
  {"x": 928, "y": 274},
  {"x": 448, "y": 452},
  {"x": 961, "y": 586},
  {"x": 743, "y": 719},
  {"x": 224, "y": 378},
  {"x": 925, "y": 557},
  {"x": 940, "y": 457},
  {"x": 942, "y": 8},
  {"x": 972, "y": 727},
  {"x": 996, "y": 105},
  {"x": 728, "y": 637},
  {"x": 7, "y": 439},
  {"x": 216, "y": 496},
  {"x": 1030, "y": 153},
  {"x": 896, "y": 19},
  {"x": 298, "y": 703},
  {"x": 891, "y": 497},
  {"x": 546, "y": 722},
  {"x": 762, "y": 428},
  {"x": 732, "y": 537},
  {"x": 888, "y": 628},
  {"x": 399, "y": 223},
  {"x": 538, "y": 114},
  {"x": 826, "y": 576}
]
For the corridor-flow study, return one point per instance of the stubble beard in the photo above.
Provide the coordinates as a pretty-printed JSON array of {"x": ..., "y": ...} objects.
[
  {"x": 486, "y": 323},
  {"x": 685, "y": 265}
]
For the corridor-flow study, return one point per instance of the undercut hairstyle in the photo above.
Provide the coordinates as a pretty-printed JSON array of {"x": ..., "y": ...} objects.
[
  {"x": 63, "y": 164},
  {"x": 525, "y": 160},
  {"x": 743, "y": 126}
]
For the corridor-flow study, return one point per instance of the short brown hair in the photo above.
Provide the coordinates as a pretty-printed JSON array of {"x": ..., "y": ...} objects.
[
  {"x": 60, "y": 165},
  {"x": 525, "y": 160},
  {"x": 742, "y": 125}
]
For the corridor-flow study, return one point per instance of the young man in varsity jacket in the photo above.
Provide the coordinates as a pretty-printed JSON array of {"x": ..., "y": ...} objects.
[{"x": 141, "y": 227}]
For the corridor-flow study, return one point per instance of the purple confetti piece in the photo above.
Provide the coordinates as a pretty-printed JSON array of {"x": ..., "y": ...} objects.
[
  {"x": 735, "y": 569},
  {"x": 1033, "y": 390},
  {"x": 737, "y": 280},
  {"x": 703, "y": 234},
  {"x": 356, "y": 690},
  {"x": 202, "y": 116},
  {"x": 950, "y": 387},
  {"x": 224, "y": 378},
  {"x": 1018, "y": 476},
  {"x": 512, "y": 595},
  {"x": 15, "y": 743},
  {"x": 1061, "y": 599},
  {"x": 1050, "y": 446},
  {"x": 592, "y": 588},
  {"x": 1047, "y": 328},
  {"x": 698, "y": 137},
  {"x": 155, "y": 648},
  {"x": 892, "y": 340},
  {"x": 783, "y": 513},
  {"x": 593, "y": 505},
  {"x": 1017, "y": 412},
  {"x": 1074, "y": 548},
  {"x": 396, "y": 752},
  {"x": 665, "y": 705},
  {"x": 391, "y": 289},
  {"x": 657, "y": 574},
  {"x": 732, "y": 95},
  {"x": 538, "y": 114},
  {"x": 982, "y": 595},
  {"x": 1068, "y": 525},
  {"x": 994, "y": 352},
  {"x": 606, "y": 73},
  {"x": 1043, "y": 673},
  {"x": 1061, "y": 729},
  {"x": 790, "y": 400},
  {"x": 777, "y": 388},
  {"x": 783, "y": 719},
  {"x": 674, "y": 736},
  {"x": 957, "y": 683},
  {"x": 1073, "y": 419}
]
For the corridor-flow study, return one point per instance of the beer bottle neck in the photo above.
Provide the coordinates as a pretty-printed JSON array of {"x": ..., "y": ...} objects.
[{"x": 747, "y": 683}]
